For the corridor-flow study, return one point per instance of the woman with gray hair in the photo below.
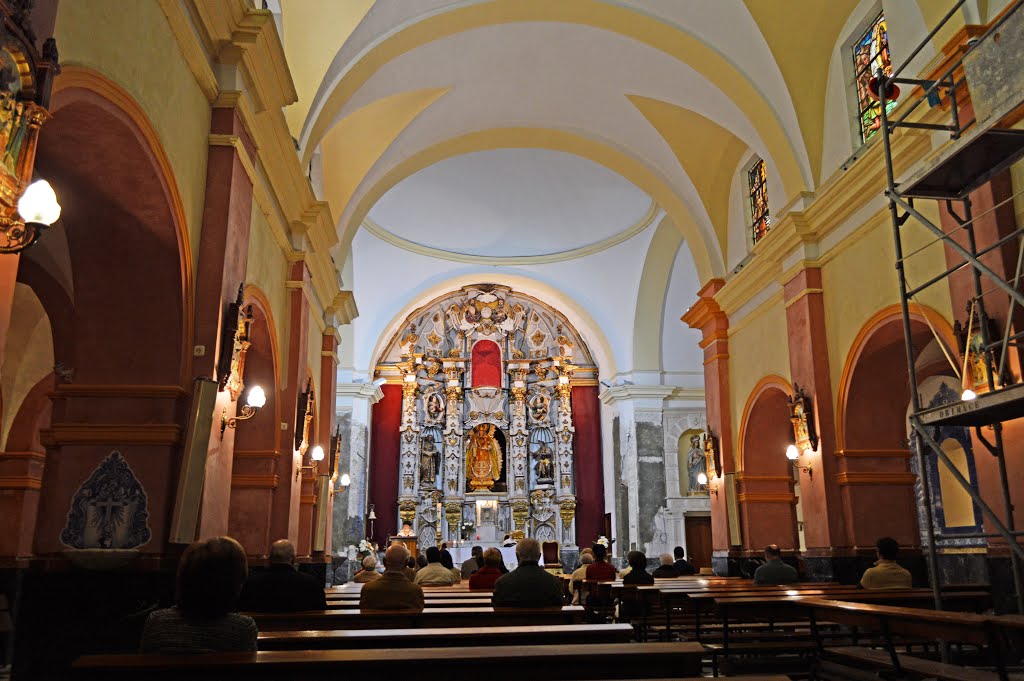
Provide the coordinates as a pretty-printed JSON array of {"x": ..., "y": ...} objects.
[
  {"x": 666, "y": 568},
  {"x": 369, "y": 571},
  {"x": 576, "y": 587}
]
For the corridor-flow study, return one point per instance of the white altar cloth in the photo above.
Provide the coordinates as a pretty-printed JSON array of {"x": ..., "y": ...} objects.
[{"x": 508, "y": 553}]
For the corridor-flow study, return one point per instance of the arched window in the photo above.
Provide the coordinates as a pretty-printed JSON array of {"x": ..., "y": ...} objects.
[
  {"x": 757, "y": 194},
  {"x": 871, "y": 53}
]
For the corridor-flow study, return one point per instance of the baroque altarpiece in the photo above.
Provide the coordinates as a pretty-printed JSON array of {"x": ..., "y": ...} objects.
[{"x": 486, "y": 434}]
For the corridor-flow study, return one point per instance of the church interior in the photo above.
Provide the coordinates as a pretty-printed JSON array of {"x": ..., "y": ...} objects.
[{"x": 706, "y": 288}]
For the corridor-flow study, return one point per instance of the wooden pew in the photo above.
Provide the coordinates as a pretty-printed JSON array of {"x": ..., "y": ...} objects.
[
  {"x": 497, "y": 663},
  {"x": 6, "y": 629},
  {"x": 749, "y": 624},
  {"x": 568, "y": 634},
  {"x": 892, "y": 621},
  {"x": 484, "y": 602},
  {"x": 430, "y": 617}
]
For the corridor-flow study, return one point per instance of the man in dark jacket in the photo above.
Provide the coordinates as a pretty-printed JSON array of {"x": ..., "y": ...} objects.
[
  {"x": 683, "y": 566},
  {"x": 529, "y": 585},
  {"x": 282, "y": 588}
]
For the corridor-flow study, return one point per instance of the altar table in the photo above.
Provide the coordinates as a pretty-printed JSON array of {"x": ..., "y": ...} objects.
[{"x": 508, "y": 553}]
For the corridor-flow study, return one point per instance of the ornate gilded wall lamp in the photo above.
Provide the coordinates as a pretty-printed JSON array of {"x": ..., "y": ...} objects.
[
  {"x": 254, "y": 402},
  {"x": 25, "y": 80},
  {"x": 805, "y": 439},
  {"x": 705, "y": 484}
]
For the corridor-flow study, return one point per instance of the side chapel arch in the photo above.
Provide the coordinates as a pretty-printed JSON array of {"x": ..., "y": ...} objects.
[{"x": 765, "y": 480}]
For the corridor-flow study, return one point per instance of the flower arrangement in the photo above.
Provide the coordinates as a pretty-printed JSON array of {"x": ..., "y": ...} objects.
[
  {"x": 603, "y": 540},
  {"x": 366, "y": 547}
]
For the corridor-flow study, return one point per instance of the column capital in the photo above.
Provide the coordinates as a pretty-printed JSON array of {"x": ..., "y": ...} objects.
[{"x": 706, "y": 314}]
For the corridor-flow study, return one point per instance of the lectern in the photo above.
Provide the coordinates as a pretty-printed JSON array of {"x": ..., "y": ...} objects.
[{"x": 410, "y": 543}]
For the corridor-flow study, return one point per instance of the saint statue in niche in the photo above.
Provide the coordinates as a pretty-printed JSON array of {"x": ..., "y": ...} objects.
[
  {"x": 483, "y": 458},
  {"x": 543, "y": 468},
  {"x": 696, "y": 463},
  {"x": 539, "y": 405},
  {"x": 428, "y": 462}
]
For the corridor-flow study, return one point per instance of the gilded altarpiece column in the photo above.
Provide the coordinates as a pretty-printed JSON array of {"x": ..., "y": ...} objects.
[
  {"x": 519, "y": 434},
  {"x": 409, "y": 447},
  {"x": 564, "y": 432}
]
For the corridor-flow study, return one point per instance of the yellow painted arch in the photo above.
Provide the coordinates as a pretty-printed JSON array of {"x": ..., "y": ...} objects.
[
  {"x": 707, "y": 255},
  {"x": 650, "y": 300},
  {"x": 672, "y": 40}
]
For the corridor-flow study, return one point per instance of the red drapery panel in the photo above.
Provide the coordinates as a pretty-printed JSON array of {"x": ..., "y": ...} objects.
[
  {"x": 586, "y": 417},
  {"x": 384, "y": 446},
  {"x": 486, "y": 360}
]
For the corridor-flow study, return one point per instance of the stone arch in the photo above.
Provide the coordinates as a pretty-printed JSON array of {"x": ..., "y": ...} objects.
[
  {"x": 257, "y": 446},
  {"x": 767, "y": 503},
  {"x": 871, "y": 423},
  {"x": 127, "y": 332}
]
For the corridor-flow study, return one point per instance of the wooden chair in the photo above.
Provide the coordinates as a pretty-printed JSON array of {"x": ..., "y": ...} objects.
[{"x": 551, "y": 551}]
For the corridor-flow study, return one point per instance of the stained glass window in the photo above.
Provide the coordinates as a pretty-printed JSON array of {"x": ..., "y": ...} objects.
[
  {"x": 871, "y": 53},
  {"x": 757, "y": 189}
]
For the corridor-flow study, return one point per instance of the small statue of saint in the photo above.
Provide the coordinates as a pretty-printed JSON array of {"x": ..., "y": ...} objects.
[
  {"x": 543, "y": 468},
  {"x": 428, "y": 462},
  {"x": 483, "y": 458},
  {"x": 539, "y": 405},
  {"x": 696, "y": 463}
]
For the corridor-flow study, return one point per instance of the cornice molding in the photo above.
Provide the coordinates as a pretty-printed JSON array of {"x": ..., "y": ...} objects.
[
  {"x": 629, "y": 393},
  {"x": 365, "y": 391},
  {"x": 384, "y": 234}
]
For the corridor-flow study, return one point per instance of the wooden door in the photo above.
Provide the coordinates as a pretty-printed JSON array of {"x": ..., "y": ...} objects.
[{"x": 698, "y": 541}]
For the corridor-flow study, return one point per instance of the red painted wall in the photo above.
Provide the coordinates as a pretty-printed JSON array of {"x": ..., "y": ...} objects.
[
  {"x": 486, "y": 359},
  {"x": 384, "y": 449},
  {"x": 586, "y": 410}
]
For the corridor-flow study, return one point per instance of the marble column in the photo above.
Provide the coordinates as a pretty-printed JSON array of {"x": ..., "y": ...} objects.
[
  {"x": 641, "y": 494},
  {"x": 354, "y": 406}
]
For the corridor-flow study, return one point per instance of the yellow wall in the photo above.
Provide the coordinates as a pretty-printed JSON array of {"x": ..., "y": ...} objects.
[
  {"x": 28, "y": 356},
  {"x": 758, "y": 346},
  {"x": 859, "y": 278},
  {"x": 137, "y": 50},
  {"x": 267, "y": 269},
  {"x": 315, "y": 341}
]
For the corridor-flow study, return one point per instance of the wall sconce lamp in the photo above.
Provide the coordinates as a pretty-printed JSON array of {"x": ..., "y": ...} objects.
[
  {"x": 702, "y": 480},
  {"x": 344, "y": 482},
  {"x": 38, "y": 210},
  {"x": 793, "y": 454},
  {"x": 254, "y": 402}
]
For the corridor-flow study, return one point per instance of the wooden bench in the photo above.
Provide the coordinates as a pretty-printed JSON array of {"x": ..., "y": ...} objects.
[
  {"x": 497, "y": 663},
  {"x": 6, "y": 629},
  {"x": 429, "y": 617},
  {"x": 428, "y": 603},
  {"x": 892, "y": 621},
  {"x": 567, "y": 634}
]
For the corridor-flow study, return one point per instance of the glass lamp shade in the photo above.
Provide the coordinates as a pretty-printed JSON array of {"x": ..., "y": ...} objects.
[
  {"x": 702, "y": 478},
  {"x": 39, "y": 204},
  {"x": 257, "y": 398},
  {"x": 346, "y": 480},
  {"x": 968, "y": 394},
  {"x": 791, "y": 453},
  {"x": 317, "y": 453}
]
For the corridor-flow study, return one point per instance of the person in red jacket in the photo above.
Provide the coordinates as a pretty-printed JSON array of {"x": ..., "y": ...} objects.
[
  {"x": 484, "y": 578},
  {"x": 601, "y": 570}
]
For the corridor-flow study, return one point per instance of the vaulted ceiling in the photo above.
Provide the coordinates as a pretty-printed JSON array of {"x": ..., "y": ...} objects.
[{"x": 543, "y": 131}]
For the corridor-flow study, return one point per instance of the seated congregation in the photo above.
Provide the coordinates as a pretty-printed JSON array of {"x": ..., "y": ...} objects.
[{"x": 687, "y": 624}]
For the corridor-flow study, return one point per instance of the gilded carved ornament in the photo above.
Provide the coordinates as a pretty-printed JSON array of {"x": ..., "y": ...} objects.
[
  {"x": 567, "y": 511},
  {"x": 407, "y": 510}
]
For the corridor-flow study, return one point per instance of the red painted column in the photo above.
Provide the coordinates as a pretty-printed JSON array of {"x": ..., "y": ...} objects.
[
  {"x": 285, "y": 523},
  {"x": 221, "y": 267},
  {"x": 824, "y": 530},
  {"x": 326, "y": 425},
  {"x": 707, "y": 316},
  {"x": 589, "y": 465},
  {"x": 384, "y": 455}
]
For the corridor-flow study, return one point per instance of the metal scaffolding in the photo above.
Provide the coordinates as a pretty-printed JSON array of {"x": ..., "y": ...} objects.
[{"x": 978, "y": 149}]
